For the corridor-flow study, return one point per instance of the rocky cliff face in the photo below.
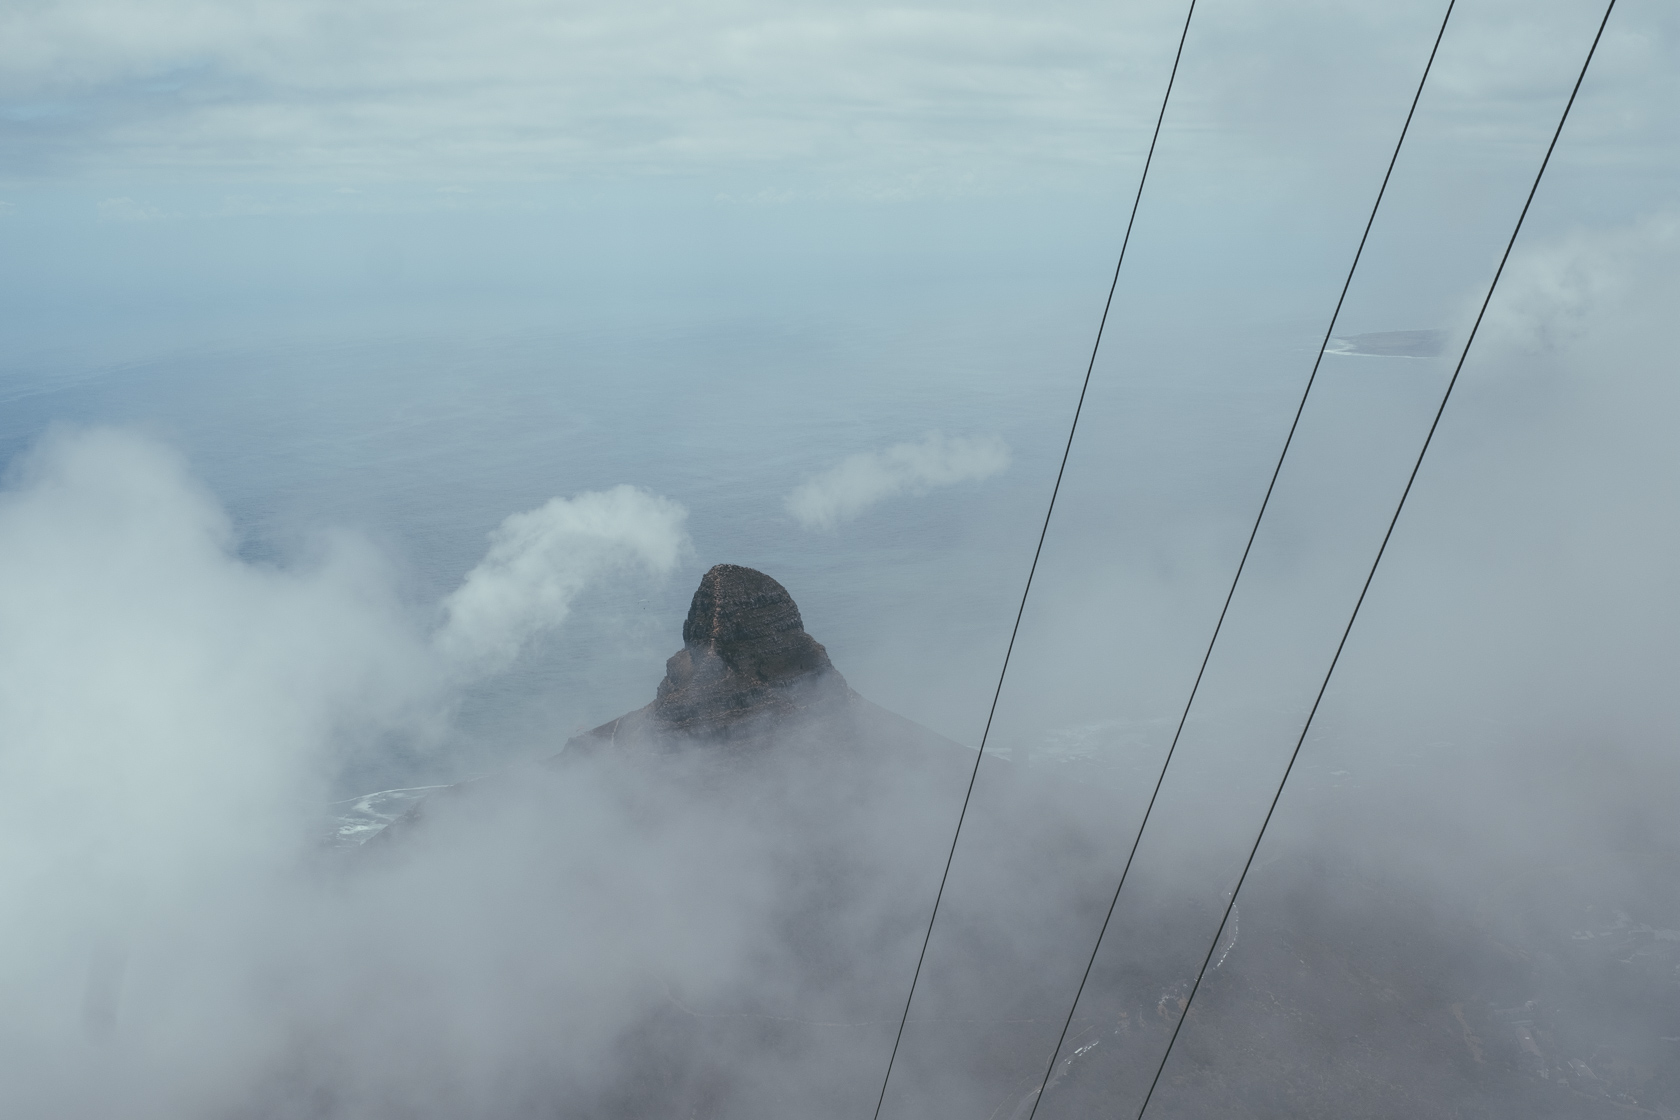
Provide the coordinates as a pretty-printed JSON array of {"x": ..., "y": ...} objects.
[
  {"x": 746, "y": 664},
  {"x": 745, "y": 651}
]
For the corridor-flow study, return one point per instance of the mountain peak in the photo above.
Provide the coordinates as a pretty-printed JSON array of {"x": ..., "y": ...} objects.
[
  {"x": 746, "y": 664},
  {"x": 752, "y": 623},
  {"x": 745, "y": 652}
]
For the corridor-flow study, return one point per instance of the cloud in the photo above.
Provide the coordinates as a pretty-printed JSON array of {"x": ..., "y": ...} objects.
[
  {"x": 171, "y": 719},
  {"x": 540, "y": 560},
  {"x": 175, "y": 944},
  {"x": 877, "y": 94},
  {"x": 1553, "y": 289},
  {"x": 164, "y": 709},
  {"x": 169, "y": 704},
  {"x": 864, "y": 100},
  {"x": 843, "y": 492}
]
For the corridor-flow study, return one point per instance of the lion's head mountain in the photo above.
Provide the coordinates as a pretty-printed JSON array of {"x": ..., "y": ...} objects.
[{"x": 750, "y": 679}]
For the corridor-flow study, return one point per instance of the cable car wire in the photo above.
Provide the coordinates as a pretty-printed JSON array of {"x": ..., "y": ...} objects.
[
  {"x": 1055, "y": 490},
  {"x": 1387, "y": 536},
  {"x": 1242, "y": 564}
]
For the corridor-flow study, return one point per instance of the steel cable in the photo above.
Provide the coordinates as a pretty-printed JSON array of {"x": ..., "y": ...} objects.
[
  {"x": 1248, "y": 547},
  {"x": 1387, "y": 536},
  {"x": 1055, "y": 490}
]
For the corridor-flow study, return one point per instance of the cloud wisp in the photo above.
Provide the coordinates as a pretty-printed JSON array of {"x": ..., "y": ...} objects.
[
  {"x": 1559, "y": 284},
  {"x": 540, "y": 560},
  {"x": 843, "y": 492}
]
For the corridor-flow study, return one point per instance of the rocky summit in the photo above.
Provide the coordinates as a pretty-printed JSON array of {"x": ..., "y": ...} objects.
[{"x": 746, "y": 664}]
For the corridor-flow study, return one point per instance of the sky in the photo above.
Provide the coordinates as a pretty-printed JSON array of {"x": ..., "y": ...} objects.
[
  {"x": 161, "y": 159},
  {"x": 378, "y": 378}
]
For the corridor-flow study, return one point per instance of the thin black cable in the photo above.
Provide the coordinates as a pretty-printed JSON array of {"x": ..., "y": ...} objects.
[
  {"x": 1033, "y": 568},
  {"x": 1369, "y": 576},
  {"x": 1253, "y": 532}
]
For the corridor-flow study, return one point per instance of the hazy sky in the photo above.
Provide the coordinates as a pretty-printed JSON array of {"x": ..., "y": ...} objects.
[
  {"x": 804, "y": 100},
  {"x": 162, "y": 154}
]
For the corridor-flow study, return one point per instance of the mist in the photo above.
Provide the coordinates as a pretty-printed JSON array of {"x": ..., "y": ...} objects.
[
  {"x": 175, "y": 717},
  {"x": 183, "y": 941},
  {"x": 844, "y": 491}
]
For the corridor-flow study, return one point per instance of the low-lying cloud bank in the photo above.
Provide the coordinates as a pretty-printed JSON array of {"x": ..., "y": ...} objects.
[
  {"x": 595, "y": 937},
  {"x": 171, "y": 719},
  {"x": 861, "y": 481},
  {"x": 1467, "y": 900}
]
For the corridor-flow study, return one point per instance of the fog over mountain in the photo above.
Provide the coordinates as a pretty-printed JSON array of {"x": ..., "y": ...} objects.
[
  {"x": 512, "y": 517},
  {"x": 709, "y": 906}
]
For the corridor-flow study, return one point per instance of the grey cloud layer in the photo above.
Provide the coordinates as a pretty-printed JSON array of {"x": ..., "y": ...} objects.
[
  {"x": 376, "y": 88},
  {"x": 846, "y": 99}
]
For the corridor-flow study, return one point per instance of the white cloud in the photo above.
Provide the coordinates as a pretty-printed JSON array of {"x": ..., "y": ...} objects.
[
  {"x": 1551, "y": 289},
  {"x": 164, "y": 706},
  {"x": 174, "y": 945},
  {"x": 843, "y": 492},
  {"x": 170, "y": 718},
  {"x": 168, "y": 705},
  {"x": 540, "y": 560}
]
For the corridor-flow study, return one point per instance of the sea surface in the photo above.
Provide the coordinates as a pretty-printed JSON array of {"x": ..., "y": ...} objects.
[{"x": 422, "y": 437}]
